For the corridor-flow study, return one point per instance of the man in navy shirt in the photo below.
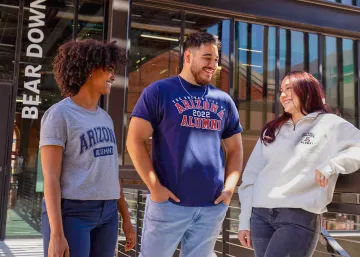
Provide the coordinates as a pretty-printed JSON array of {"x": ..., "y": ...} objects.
[{"x": 190, "y": 181}]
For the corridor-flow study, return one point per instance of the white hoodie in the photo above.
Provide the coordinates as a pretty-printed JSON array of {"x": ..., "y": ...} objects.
[{"x": 282, "y": 174}]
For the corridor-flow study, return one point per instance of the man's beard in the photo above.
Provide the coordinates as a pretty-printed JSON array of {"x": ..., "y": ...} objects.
[{"x": 197, "y": 76}]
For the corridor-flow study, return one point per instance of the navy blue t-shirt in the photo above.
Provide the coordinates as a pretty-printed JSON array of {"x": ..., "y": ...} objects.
[{"x": 188, "y": 129}]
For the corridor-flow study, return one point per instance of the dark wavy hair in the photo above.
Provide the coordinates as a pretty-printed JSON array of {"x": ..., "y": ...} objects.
[
  {"x": 199, "y": 38},
  {"x": 77, "y": 59},
  {"x": 311, "y": 96}
]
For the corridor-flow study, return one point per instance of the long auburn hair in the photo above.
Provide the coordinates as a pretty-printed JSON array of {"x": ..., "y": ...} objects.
[{"x": 311, "y": 96}]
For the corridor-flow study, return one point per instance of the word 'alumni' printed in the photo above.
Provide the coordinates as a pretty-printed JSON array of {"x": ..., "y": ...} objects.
[{"x": 200, "y": 115}]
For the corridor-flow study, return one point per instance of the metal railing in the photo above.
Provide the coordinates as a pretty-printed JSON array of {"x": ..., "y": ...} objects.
[{"x": 227, "y": 243}]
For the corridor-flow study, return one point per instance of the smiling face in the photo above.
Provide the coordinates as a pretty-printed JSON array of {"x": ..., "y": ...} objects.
[
  {"x": 289, "y": 100},
  {"x": 203, "y": 62},
  {"x": 102, "y": 79}
]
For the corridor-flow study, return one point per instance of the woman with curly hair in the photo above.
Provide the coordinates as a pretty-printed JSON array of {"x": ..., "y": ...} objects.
[{"x": 80, "y": 159}]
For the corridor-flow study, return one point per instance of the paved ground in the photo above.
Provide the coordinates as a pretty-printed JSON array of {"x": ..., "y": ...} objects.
[
  {"x": 18, "y": 227},
  {"x": 21, "y": 248}
]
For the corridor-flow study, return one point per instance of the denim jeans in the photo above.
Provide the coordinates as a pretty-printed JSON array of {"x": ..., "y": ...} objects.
[
  {"x": 284, "y": 232},
  {"x": 167, "y": 224},
  {"x": 90, "y": 227}
]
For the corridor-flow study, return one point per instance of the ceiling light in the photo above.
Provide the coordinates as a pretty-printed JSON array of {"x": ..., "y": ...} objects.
[{"x": 159, "y": 37}]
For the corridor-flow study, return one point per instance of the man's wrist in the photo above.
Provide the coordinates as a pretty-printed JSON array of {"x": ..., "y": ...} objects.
[
  {"x": 229, "y": 189},
  {"x": 154, "y": 187}
]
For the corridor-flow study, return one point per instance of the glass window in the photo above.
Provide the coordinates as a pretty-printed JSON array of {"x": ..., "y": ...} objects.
[
  {"x": 155, "y": 52},
  {"x": 293, "y": 45},
  {"x": 348, "y": 90},
  {"x": 91, "y": 20},
  {"x": 254, "y": 79},
  {"x": 270, "y": 99},
  {"x": 256, "y": 67},
  {"x": 254, "y": 87},
  {"x": 241, "y": 45},
  {"x": 313, "y": 55},
  {"x": 347, "y": 2},
  {"x": 8, "y": 31},
  {"x": 297, "y": 50},
  {"x": 339, "y": 77},
  {"x": 331, "y": 72},
  {"x": 284, "y": 56},
  {"x": 42, "y": 33}
]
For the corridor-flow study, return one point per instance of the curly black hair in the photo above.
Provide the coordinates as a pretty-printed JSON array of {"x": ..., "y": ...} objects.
[
  {"x": 199, "y": 38},
  {"x": 77, "y": 59}
]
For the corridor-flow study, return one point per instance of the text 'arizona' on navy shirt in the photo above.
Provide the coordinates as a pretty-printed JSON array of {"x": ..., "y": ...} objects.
[{"x": 186, "y": 148}]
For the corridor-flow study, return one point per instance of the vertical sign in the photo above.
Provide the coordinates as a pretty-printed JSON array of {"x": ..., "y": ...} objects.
[{"x": 31, "y": 97}]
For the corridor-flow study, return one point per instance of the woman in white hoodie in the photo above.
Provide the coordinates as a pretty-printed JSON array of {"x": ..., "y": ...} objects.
[{"x": 291, "y": 174}]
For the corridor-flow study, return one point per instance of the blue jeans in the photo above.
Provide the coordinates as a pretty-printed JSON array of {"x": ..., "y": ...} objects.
[
  {"x": 284, "y": 232},
  {"x": 167, "y": 224},
  {"x": 90, "y": 227}
]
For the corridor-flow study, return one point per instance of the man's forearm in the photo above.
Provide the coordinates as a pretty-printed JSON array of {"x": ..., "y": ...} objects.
[
  {"x": 142, "y": 162},
  {"x": 233, "y": 169}
]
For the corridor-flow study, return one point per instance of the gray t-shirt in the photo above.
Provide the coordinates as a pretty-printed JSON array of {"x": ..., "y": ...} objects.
[{"x": 90, "y": 159}]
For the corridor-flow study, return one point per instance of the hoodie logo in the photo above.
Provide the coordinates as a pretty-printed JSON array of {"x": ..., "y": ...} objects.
[{"x": 307, "y": 138}]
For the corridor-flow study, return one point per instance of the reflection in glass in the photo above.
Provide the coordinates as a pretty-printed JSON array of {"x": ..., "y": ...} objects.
[
  {"x": 91, "y": 20},
  {"x": 155, "y": 52},
  {"x": 283, "y": 54},
  {"x": 348, "y": 2},
  {"x": 331, "y": 72},
  {"x": 292, "y": 51},
  {"x": 313, "y": 55},
  {"x": 256, "y": 68},
  {"x": 348, "y": 110},
  {"x": 241, "y": 61},
  {"x": 297, "y": 51},
  {"x": 254, "y": 79},
  {"x": 270, "y": 99},
  {"x": 8, "y": 29}
]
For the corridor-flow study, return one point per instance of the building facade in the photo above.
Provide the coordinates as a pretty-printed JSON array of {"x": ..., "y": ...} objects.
[{"x": 262, "y": 40}]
